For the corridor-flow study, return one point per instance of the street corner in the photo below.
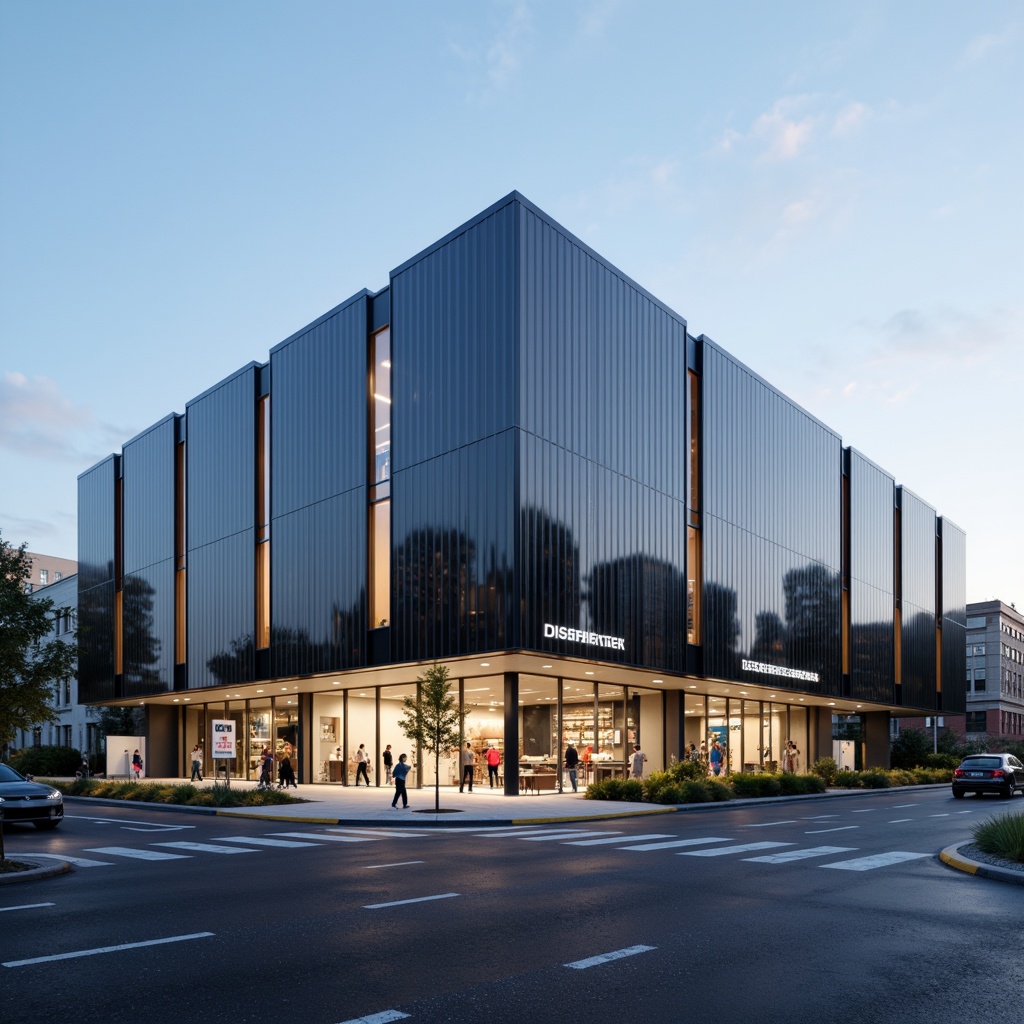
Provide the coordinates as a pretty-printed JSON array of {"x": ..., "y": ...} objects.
[
  {"x": 37, "y": 869},
  {"x": 954, "y": 858}
]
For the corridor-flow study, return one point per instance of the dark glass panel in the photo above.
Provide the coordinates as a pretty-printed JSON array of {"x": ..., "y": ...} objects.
[
  {"x": 221, "y": 463},
  {"x": 319, "y": 417},
  {"x": 148, "y": 494},
  {"x": 318, "y": 587},
  {"x": 96, "y": 643},
  {"x": 954, "y": 617},
  {"x": 453, "y": 530},
  {"x": 96, "y": 523},
  {"x": 917, "y": 572},
  {"x": 453, "y": 342},
  {"x": 148, "y": 629}
]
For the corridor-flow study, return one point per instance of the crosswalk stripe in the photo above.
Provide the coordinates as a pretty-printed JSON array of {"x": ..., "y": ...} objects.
[
  {"x": 127, "y": 851},
  {"x": 527, "y": 832},
  {"x": 323, "y": 837},
  {"x": 617, "y": 839},
  {"x": 79, "y": 862},
  {"x": 676, "y": 842},
  {"x": 562, "y": 837},
  {"x": 379, "y": 833},
  {"x": 879, "y": 860},
  {"x": 288, "y": 844},
  {"x": 724, "y": 851},
  {"x": 789, "y": 855},
  {"x": 203, "y": 847}
]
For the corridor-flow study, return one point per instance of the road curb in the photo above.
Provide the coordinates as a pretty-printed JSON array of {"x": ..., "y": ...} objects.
[
  {"x": 61, "y": 867},
  {"x": 951, "y": 856}
]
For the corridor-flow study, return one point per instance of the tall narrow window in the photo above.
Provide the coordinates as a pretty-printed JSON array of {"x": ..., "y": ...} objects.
[
  {"x": 694, "y": 573},
  {"x": 263, "y": 522},
  {"x": 179, "y": 553},
  {"x": 380, "y": 479},
  {"x": 118, "y": 576}
]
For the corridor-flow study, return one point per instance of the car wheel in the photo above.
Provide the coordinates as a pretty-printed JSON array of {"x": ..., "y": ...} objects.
[
  {"x": 1008, "y": 795},
  {"x": 958, "y": 794},
  {"x": 46, "y": 824}
]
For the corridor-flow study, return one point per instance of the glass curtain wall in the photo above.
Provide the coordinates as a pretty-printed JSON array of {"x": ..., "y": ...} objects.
[{"x": 483, "y": 700}]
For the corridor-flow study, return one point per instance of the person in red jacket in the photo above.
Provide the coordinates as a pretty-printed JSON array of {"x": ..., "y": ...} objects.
[{"x": 493, "y": 760}]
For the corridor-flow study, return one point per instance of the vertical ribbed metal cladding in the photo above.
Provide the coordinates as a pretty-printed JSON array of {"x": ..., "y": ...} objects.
[
  {"x": 918, "y": 574},
  {"x": 221, "y": 467},
  {"x": 954, "y": 617},
  {"x": 148, "y": 584},
  {"x": 96, "y": 580},
  {"x": 318, "y": 416},
  {"x": 771, "y": 531},
  {"x": 453, "y": 342},
  {"x": 453, "y": 530},
  {"x": 318, "y": 587},
  {"x": 602, "y": 478},
  {"x": 872, "y": 492},
  {"x": 453, "y": 350}
]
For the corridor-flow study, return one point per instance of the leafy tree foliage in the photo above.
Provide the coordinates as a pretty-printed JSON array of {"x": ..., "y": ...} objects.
[
  {"x": 910, "y": 749},
  {"x": 432, "y": 720},
  {"x": 29, "y": 668}
]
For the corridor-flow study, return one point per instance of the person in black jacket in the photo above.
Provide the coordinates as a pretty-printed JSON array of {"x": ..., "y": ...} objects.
[{"x": 572, "y": 760}]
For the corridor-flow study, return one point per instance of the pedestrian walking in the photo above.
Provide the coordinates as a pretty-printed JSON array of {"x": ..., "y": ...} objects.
[
  {"x": 266, "y": 779},
  {"x": 400, "y": 771},
  {"x": 362, "y": 764},
  {"x": 493, "y": 761},
  {"x": 137, "y": 765},
  {"x": 572, "y": 761},
  {"x": 197, "y": 763},
  {"x": 389, "y": 762},
  {"x": 467, "y": 759},
  {"x": 285, "y": 773},
  {"x": 637, "y": 762}
]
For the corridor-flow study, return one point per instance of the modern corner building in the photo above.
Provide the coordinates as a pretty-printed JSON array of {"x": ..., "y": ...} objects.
[{"x": 514, "y": 461}]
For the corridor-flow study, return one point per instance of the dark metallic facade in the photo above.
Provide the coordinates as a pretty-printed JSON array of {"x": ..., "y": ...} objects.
[{"x": 539, "y": 475}]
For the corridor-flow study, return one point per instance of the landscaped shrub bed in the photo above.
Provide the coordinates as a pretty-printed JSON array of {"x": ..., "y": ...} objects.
[
  {"x": 687, "y": 783},
  {"x": 1002, "y": 836},
  {"x": 183, "y": 793},
  {"x": 48, "y": 760}
]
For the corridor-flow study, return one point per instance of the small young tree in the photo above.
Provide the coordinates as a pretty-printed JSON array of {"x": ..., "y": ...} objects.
[{"x": 432, "y": 720}]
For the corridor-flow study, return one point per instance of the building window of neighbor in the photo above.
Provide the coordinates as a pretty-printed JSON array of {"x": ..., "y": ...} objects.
[
  {"x": 975, "y": 721},
  {"x": 979, "y": 680},
  {"x": 43, "y": 576},
  {"x": 57, "y": 576}
]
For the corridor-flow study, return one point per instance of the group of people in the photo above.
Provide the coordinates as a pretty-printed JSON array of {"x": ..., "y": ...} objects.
[{"x": 467, "y": 762}]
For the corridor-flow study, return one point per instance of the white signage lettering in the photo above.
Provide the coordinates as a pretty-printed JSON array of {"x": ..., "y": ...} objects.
[
  {"x": 223, "y": 737},
  {"x": 778, "y": 670},
  {"x": 583, "y": 636}
]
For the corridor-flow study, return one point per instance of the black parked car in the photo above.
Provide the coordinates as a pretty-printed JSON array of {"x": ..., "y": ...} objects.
[
  {"x": 988, "y": 773},
  {"x": 25, "y": 800}
]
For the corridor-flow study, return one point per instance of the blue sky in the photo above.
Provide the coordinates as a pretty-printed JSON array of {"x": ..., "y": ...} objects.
[{"x": 832, "y": 191}]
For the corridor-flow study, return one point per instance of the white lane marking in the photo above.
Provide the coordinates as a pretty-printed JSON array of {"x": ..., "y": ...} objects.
[
  {"x": 938, "y": 815},
  {"x": 397, "y": 864},
  {"x": 27, "y": 906},
  {"x": 898, "y": 821},
  {"x": 676, "y": 842},
  {"x": 564, "y": 836},
  {"x": 723, "y": 851},
  {"x": 603, "y": 958},
  {"x": 418, "y": 899},
  {"x": 968, "y": 811},
  {"x": 377, "y": 833},
  {"x": 534, "y": 832},
  {"x": 204, "y": 848},
  {"x": 765, "y": 824},
  {"x": 79, "y": 862},
  {"x": 790, "y": 855},
  {"x": 864, "y": 810},
  {"x": 323, "y": 837},
  {"x": 150, "y": 826},
  {"x": 384, "y": 1017},
  {"x": 107, "y": 949},
  {"x": 127, "y": 851},
  {"x": 899, "y": 807},
  {"x": 284, "y": 844},
  {"x": 838, "y": 828},
  {"x": 618, "y": 839},
  {"x": 879, "y": 860},
  {"x": 821, "y": 817}
]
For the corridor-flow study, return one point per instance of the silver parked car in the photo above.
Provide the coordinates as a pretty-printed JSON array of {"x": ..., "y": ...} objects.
[{"x": 28, "y": 801}]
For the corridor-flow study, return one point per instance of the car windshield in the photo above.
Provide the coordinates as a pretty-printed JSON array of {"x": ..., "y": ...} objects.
[
  {"x": 982, "y": 762},
  {"x": 8, "y": 774}
]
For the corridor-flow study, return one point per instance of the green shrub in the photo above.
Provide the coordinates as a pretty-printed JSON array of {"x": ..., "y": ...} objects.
[
  {"x": 50, "y": 760},
  {"x": 846, "y": 779},
  {"x": 910, "y": 748},
  {"x": 755, "y": 784},
  {"x": 694, "y": 791},
  {"x": 875, "y": 778},
  {"x": 669, "y": 795},
  {"x": 683, "y": 770},
  {"x": 719, "y": 791},
  {"x": 902, "y": 777},
  {"x": 825, "y": 768},
  {"x": 654, "y": 784},
  {"x": 1002, "y": 836},
  {"x": 177, "y": 793},
  {"x": 947, "y": 761},
  {"x": 632, "y": 790}
]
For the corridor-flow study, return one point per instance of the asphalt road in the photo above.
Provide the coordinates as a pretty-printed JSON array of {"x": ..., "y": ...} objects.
[{"x": 833, "y": 910}]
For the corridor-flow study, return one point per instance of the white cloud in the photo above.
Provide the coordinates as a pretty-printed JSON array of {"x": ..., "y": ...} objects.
[
  {"x": 783, "y": 134},
  {"x": 987, "y": 45},
  {"x": 849, "y": 119},
  {"x": 496, "y": 62}
]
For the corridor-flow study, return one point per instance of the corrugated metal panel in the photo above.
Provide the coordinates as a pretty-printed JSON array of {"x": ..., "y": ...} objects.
[
  {"x": 954, "y": 617},
  {"x": 918, "y": 569},
  {"x": 147, "y": 614},
  {"x": 148, "y": 496}
]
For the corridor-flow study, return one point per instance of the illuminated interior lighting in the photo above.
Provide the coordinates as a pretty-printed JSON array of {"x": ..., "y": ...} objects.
[{"x": 382, "y": 398}]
